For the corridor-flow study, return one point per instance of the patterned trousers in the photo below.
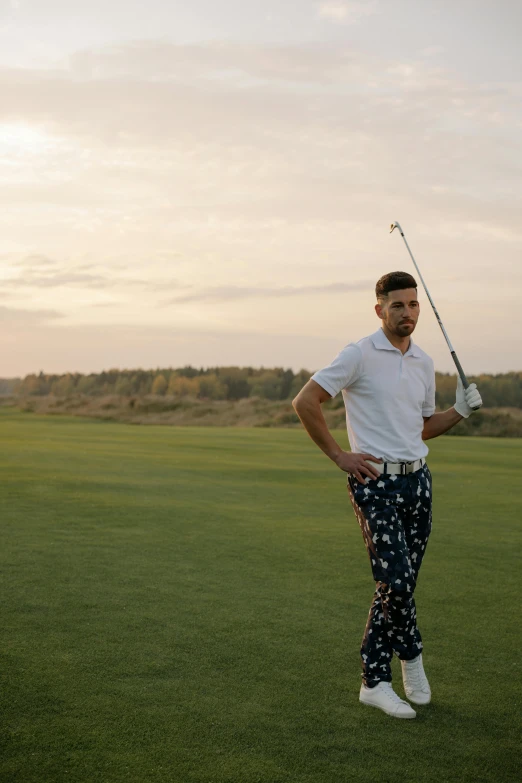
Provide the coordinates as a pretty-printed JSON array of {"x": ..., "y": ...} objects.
[{"x": 394, "y": 514}]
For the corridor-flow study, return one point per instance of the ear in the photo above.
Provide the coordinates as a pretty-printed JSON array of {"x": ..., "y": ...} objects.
[{"x": 378, "y": 310}]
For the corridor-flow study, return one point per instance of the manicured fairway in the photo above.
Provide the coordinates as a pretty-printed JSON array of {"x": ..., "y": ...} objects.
[{"x": 186, "y": 605}]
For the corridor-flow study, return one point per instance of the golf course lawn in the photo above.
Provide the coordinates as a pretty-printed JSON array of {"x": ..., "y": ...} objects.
[{"x": 187, "y": 604}]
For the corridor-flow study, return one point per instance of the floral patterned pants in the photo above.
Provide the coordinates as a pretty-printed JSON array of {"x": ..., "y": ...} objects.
[{"x": 394, "y": 514}]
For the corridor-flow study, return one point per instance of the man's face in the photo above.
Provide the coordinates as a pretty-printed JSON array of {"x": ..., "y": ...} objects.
[{"x": 399, "y": 311}]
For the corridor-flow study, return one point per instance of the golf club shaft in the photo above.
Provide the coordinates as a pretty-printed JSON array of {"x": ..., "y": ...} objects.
[{"x": 458, "y": 365}]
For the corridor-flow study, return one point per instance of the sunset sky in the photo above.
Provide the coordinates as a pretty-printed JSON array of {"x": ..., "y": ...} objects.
[{"x": 212, "y": 182}]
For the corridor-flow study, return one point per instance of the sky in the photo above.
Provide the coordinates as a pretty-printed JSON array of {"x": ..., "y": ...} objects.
[{"x": 213, "y": 182}]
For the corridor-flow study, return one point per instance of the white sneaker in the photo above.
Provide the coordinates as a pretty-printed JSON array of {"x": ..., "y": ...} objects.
[
  {"x": 416, "y": 685},
  {"x": 384, "y": 697}
]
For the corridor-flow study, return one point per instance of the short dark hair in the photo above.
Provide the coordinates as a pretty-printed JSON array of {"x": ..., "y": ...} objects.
[{"x": 394, "y": 281}]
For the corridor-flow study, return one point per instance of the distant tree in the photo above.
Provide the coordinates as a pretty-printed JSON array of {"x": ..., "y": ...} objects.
[
  {"x": 445, "y": 388},
  {"x": 180, "y": 386},
  {"x": 123, "y": 385},
  {"x": 235, "y": 380},
  {"x": 87, "y": 384},
  {"x": 143, "y": 381},
  {"x": 159, "y": 385},
  {"x": 267, "y": 385},
  {"x": 287, "y": 378},
  {"x": 211, "y": 388},
  {"x": 10, "y": 385},
  {"x": 171, "y": 389},
  {"x": 63, "y": 386},
  {"x": 29, "y": 385},
  {"x": 235, "y": 383},
  {"x": 188, "y": 372},
  {"x": 45, "y": 382},
  {"x": 302, "y": 377},
  {"x": 35, "y": 385}
]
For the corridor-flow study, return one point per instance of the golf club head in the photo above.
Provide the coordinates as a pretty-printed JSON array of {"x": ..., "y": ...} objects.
[{"x": 395, "y": 225}]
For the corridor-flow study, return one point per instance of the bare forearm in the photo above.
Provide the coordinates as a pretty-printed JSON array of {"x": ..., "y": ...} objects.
[
  {"x": 314, "y": 423},
  {"x": 440, "y": 423}
]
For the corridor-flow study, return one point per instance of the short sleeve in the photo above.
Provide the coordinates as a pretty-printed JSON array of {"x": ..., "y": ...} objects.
[
  {"x": 342, "y": 372},
  {"x": 428, "y": 407}
]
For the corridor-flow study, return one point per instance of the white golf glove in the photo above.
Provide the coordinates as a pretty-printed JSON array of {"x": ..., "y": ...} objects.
[{"x": 467, "y": 399}]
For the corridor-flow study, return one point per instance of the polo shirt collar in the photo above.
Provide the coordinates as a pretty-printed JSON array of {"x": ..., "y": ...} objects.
[{"x": 382, "y": 343}]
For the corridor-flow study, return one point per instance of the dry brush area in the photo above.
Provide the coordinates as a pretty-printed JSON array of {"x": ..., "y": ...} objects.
[{"x": 247, "y": 412}]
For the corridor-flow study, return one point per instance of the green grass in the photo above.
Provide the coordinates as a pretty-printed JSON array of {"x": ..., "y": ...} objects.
[{"x": 186, "y": 605}]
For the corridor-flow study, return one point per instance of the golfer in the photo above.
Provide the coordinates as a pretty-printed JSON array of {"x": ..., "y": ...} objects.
[{"x": 388, "y": 385}]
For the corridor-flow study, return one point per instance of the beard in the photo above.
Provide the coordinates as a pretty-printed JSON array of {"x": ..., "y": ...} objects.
[{"x": 402, "y": 330}]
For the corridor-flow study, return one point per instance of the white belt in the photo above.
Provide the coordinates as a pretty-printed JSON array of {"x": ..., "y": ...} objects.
[{"x": 397, "y": 468}]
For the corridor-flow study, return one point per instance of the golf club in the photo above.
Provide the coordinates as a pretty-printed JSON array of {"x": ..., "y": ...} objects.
[{"x": 465, "y": 382}]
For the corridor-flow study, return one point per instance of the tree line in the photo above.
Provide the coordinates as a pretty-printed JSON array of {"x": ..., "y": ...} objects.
[{"x": 234, "y": 383}]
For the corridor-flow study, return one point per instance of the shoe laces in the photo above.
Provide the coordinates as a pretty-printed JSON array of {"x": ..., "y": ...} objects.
[
  {"x": 414, "y": 672},
  {"x": 389, "y": 692}
]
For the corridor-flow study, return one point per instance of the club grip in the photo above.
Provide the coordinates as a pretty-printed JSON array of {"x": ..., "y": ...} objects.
[{"x": 463, "y": 378}]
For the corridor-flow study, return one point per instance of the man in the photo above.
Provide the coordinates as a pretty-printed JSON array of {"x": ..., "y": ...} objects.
[{"x": 388, "y": 385}]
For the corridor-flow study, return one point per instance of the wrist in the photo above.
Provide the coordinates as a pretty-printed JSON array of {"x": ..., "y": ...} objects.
[
  {"x": 334, "y": 455},
  {"x": 463, "y": 411}
]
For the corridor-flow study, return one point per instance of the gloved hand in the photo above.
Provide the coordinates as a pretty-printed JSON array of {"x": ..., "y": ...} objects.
[{"x": 467, "y": 399}]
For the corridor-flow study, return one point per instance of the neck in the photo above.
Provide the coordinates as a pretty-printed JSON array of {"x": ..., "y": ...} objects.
[{"x": 402, "y": 343}]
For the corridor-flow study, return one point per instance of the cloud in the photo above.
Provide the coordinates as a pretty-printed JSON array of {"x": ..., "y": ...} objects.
[
  {"x": 35, "y": 260},
  {"x": 346, "y": 12},
  {"x": 229, "y": 293},
  {"x": 238, "y": 96},
  {"x": 12, "y": 316},
  {"x": 40, "y": 271},
  {"x": 253, "y": 162},
  {"x": 59, "y": 279},
  {"x": 257, "y": 108},
  {"x": 235, "y": 130}
]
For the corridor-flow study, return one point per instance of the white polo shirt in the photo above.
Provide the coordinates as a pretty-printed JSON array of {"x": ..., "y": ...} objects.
[{"x": 386, "y": 395}]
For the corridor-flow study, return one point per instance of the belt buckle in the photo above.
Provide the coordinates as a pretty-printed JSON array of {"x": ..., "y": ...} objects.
[{"x": 408, "y": 467}]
